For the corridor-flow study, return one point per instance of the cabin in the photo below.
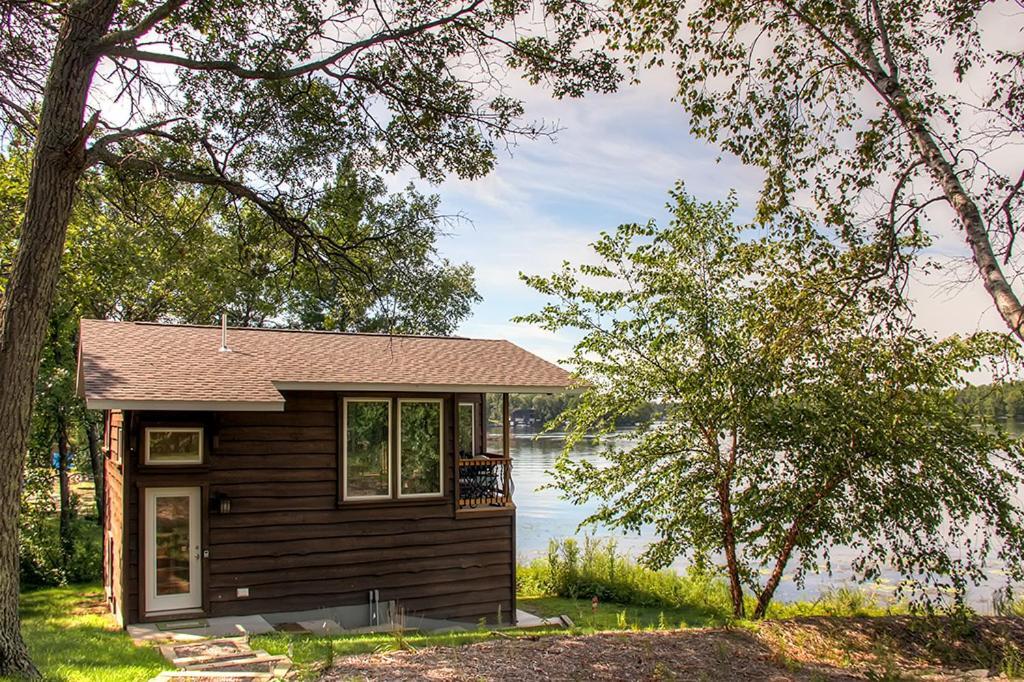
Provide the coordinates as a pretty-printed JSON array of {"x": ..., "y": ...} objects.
[{"x": 254, "y": 471}]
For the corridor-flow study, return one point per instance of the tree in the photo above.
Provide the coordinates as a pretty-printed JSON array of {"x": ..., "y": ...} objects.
[
  {"x": 796, "y": 416},
  {"x": 876, "y": 111},
  {"x": 139, "y": 249},
  {"x": 257, "y": 100}
]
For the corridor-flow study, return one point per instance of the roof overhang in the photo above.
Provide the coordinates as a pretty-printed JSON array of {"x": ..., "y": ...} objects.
[
  {"x": 412, "y": 388},
  {"x": 187, "y": 405}
]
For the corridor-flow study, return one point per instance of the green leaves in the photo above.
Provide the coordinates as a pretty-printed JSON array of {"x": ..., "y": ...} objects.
[{"x": 789, "y": 386}]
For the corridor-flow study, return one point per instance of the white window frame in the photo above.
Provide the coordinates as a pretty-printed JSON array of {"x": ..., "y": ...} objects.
[
  {"x": 440, "y": 447},
  {"x": 472, "y": 426},
  {"x": 344, "y": 450},
  {"x": 173, "y": 429}
]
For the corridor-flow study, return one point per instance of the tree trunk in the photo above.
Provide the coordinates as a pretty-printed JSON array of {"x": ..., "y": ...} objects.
[
  {"x": 729, "y": 544},
  {"x": 58, "y": 162},
  {"x": 941, "y": 169},
  {"x": 97, "y": 461},
  {"x": 64, "y": 477},
  {"x": 765, "y": 598}
]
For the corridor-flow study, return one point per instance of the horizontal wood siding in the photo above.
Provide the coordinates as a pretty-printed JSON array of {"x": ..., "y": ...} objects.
[
  {"x": 114, "y": 516},
  {"x": 294, "y": 546}
]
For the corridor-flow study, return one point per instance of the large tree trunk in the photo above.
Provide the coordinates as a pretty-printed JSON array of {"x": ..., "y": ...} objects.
[
  {"x": 58, "y": 162},
  {"x": 96, "y": 460}
]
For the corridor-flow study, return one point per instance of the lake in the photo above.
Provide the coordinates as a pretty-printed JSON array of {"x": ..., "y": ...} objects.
[{"x": 542, "y": 515}]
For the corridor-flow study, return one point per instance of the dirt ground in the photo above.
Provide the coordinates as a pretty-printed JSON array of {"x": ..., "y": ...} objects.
[{"x": 807, "y": 649}]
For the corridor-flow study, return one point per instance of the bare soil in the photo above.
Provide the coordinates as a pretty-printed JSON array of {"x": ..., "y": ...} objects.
[{"x": 889, "y": 648}]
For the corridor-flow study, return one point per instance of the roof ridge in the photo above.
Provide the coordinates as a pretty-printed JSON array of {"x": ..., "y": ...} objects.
[{"x": 179, "y": 325}]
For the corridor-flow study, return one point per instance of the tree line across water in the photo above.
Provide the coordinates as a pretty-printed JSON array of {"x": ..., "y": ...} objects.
[{"x": 1000, "y": 402}]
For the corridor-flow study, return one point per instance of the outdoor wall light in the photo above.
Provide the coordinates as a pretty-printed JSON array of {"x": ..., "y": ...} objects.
[{"x": 221, "y": 502}]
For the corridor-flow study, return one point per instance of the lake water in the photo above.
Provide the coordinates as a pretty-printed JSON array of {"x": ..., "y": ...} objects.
[{"x": 542, "y": 515}]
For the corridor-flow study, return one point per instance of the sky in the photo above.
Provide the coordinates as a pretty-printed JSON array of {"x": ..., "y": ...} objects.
[{"x": 614, "y": 161}]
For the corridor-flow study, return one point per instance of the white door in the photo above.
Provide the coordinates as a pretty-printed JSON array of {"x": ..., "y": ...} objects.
[{"x": 173, "y": 549}]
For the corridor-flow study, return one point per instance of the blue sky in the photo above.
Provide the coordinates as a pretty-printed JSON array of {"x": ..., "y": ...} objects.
[{"x": 614, "y": 161}]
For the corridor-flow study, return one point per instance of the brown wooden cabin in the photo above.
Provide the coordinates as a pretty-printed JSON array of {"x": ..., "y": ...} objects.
[{"x": 257, "y": 471}]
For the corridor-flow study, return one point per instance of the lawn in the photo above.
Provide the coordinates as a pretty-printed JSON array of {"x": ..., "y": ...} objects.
[{"x": 71, "y": 637}]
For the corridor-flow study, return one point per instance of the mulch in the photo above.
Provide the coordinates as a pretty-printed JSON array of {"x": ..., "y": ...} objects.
[
  {"x": 674, "y": 655},
  {"x": 812, "y": 649}
]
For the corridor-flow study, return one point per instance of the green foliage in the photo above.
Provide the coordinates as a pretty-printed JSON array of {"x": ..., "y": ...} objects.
[
  {"x": 800, "y": 413},
  {"x": 44, "y": 561},
  {"x": 829, "y": 100},
  {"x": 598, "y": 570},
  {"x": 72, "y": 638},
  {"x": 996, "y": 402}
]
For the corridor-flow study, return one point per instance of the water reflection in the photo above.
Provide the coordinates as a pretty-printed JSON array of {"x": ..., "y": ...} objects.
[{"x": 542, "y": 515}]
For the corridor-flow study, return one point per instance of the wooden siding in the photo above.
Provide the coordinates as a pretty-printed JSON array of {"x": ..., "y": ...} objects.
[
  {"x": 295, "y": 545},
  {"x": 114, "y": 516}
]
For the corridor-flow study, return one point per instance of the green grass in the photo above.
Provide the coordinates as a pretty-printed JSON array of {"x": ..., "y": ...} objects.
[{"x": 71, "y": 637}]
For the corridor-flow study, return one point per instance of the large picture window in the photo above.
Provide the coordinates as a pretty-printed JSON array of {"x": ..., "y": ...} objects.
[
  {"x": 419, "y": 447},
  {"x": 173, "y": 445},
  {"x": 367, "y": 448},
  {"x": 467, "y": 430}
]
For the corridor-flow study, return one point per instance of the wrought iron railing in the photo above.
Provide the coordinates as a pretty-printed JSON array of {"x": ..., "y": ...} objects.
[{"x": 484, "y": 482}]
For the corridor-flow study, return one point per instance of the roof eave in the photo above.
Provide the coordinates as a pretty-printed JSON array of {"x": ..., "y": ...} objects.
[
  {"x": 419, "y": 388},
  {"x": 186, "y": 405}
]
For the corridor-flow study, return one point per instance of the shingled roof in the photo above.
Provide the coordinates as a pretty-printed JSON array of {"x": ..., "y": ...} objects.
[{"x": 132, "y": 365}]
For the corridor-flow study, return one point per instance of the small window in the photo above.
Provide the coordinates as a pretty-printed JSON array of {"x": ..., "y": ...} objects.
[
  {"x": 467, "y": 430},
  {"x": 367, "y": 448},
  {"x": 173, "y": 445},
  {"x": 419, "y": 447}
]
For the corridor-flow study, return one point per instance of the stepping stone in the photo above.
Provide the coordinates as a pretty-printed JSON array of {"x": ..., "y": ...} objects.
[
  {"x": 189, "y": 653},
  {"x": 208, "y": 676},
  {"x": 257, "y": 661},
  {"x": 321, "y": 627}
]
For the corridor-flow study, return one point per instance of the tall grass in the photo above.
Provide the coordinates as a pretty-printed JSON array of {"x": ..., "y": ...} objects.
[{"x": 597, "y": 569}]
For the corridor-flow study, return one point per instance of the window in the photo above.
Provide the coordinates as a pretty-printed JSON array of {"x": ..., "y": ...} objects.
[
  {"x": 367, "y": 448},
  {"x": 419, "y": 447},
  {"x": 467, "y": 430},
  {"x": 173, "y": 445}
]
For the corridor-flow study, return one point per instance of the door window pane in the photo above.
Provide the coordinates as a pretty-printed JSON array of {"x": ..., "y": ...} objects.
[
  {"x": 420, "y": 447},
  {"x": 174, "y": 446},
  {"x": 467, "y": 430},
  {"x": 172, "y": 545},
  {"x": 367, "y": 427}
]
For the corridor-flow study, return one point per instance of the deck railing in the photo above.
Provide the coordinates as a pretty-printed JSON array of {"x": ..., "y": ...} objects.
[{"x": 484, "y": 482}]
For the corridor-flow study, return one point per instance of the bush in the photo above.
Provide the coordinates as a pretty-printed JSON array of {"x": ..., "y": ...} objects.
[
  {"x": 41, "y": 558},
  {"x": 598, "y": 570}
]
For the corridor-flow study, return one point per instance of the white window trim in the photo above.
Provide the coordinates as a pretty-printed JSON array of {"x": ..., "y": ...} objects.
[
  {"x": 173, "y": 429},
  {"x": 344, "y": 448},
  {"x": 472, "y": 426},
  {"x": 440, "y": 446}
]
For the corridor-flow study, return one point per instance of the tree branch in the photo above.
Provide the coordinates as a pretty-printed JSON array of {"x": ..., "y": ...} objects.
[
  {"x": 142, "y": 28},
  {"x": 283, "y": 74}
]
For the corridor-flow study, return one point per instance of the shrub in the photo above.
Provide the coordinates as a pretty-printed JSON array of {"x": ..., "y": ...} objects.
[
  {"x": 598, "y": 570},
  {"x": 40, "y": 556}
]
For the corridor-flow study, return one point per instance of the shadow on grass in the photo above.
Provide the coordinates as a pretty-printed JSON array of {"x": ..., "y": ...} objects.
[{"x": 72, "y": 638}]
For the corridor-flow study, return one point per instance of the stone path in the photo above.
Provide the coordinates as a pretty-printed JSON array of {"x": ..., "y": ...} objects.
[{"x": 221, "y": 660}]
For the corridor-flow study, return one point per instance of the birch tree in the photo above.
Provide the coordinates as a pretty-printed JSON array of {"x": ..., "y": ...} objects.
[
  {"x": 796, "y": 417},
  {"x": 893, "y": 119}
]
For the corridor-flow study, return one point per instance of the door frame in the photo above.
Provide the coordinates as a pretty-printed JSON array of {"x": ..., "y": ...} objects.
[{"x": 147, "y": 491}]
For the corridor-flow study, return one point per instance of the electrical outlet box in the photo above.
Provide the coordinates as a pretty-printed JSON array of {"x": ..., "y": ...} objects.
[{"x": 242, "y": 592}]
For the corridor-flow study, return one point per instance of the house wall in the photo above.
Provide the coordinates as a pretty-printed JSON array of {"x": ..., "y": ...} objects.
[
  {"x": 114, "y": 516},
  {"x": 295, "y": 545}
]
